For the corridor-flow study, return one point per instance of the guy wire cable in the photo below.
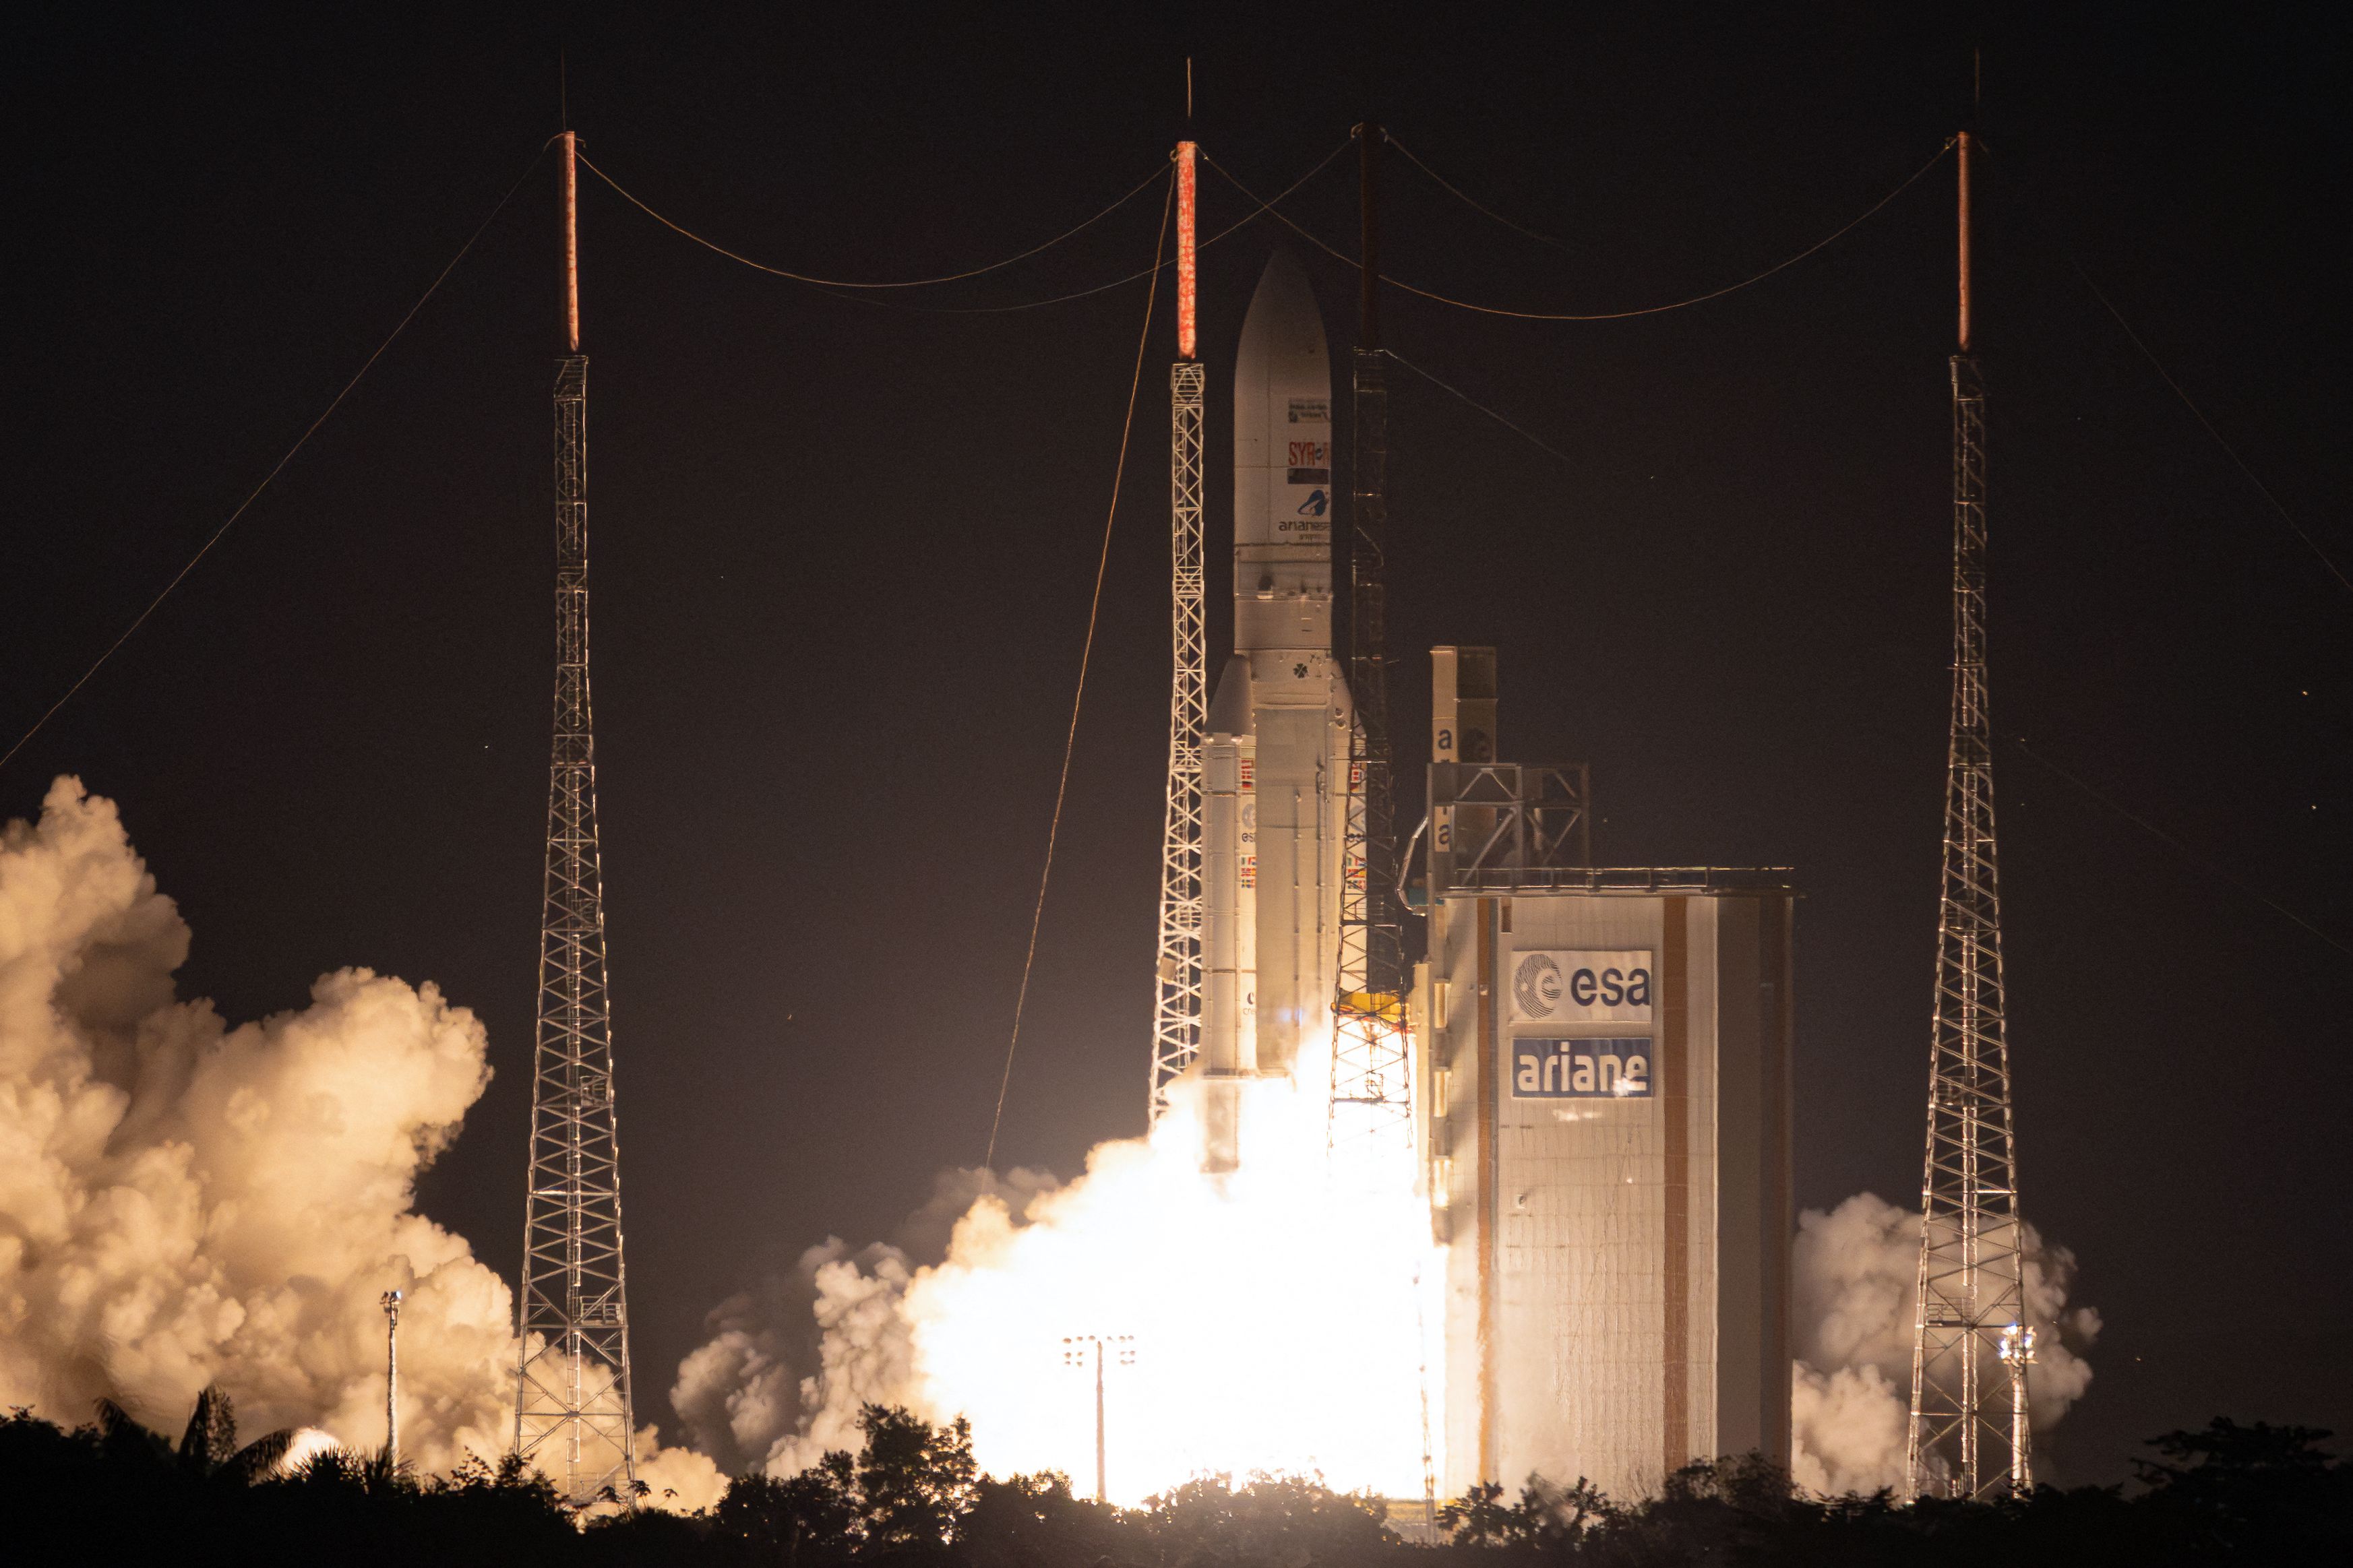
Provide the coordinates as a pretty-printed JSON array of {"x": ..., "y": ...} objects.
[
  {"x": 2211, "y": 866},
  {"x": 1086, "y": 654},
  {"x": 255, "y": 494},
  {"x": 1475, "y": 205},
  {"x": 2195, "y": 413},
  {"x": 1537, "y": 442}
]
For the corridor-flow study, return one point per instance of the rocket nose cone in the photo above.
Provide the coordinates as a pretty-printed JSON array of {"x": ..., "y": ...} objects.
[{"x": 1284, "y": 327}]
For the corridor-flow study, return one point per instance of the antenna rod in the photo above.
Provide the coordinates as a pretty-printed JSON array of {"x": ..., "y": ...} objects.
[
  {"x": 1369, "y": 310},
  {"x": 1964, "y": 241},
  {"x": 1187, "y": 275},
  {"x": 572, "y": 241}
]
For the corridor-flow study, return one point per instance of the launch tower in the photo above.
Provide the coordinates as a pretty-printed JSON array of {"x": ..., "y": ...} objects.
[
  {"x": 1972, "y": 1345},
  {"x": 573, "y": 1415},
  {"x": 1177, "y": 1005},
  {"x": 1371, "y": 1088}
]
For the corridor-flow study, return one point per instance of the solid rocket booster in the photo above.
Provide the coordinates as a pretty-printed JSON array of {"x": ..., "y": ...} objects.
[{"x": 1275, "y": 763}]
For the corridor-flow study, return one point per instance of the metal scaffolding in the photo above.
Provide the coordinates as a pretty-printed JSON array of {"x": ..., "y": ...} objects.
[
  {"x": 572, "y": 1414},
  {"x": 1372, "y": 1057},
  {"x": 1972, "y": 1345},
  {"x": 1176, "y": 1007}
]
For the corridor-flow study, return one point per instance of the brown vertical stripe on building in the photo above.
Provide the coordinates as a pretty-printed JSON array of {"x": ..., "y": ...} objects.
[
  {"x": 1775, "y": 969},
  {"x": 1675, "y": 1106},
  {"x": 1487, "y": 1089}
]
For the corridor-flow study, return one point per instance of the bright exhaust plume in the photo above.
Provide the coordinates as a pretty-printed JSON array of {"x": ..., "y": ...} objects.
[{"x": 1283, "y": 1318}]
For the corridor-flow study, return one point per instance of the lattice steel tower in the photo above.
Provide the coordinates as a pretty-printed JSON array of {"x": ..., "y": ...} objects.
[
  {"x": 1972, "y": 1345},
  {"x": 1177, "y": 1003},
  {"x": 572, "y": 1414},
  {"x": 1371, "y": 1091}
]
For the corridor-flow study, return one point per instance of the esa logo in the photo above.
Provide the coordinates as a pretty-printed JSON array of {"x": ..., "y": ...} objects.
[
  {"x": 1573, "y": 985},
  {"x": 1536, "y": 986}
]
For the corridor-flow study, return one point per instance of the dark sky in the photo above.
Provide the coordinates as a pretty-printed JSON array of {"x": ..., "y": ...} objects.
[{"x": 843, "y": 552}]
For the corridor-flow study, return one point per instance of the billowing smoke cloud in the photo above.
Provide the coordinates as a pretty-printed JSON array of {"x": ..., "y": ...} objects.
[
  {"x": 838, "y": 1316},
  {"x": 1856, "y": 1271},
  {"x": 183, "y": 1203}
]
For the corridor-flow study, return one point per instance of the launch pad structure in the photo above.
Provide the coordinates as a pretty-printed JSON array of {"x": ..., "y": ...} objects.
[
  {"x": 573, "y": 1418},
  {"x": 1590, "y": 1074}
]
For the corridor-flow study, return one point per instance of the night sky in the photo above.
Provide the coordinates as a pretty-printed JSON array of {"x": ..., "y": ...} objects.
[{"x": 842, "y": 553}]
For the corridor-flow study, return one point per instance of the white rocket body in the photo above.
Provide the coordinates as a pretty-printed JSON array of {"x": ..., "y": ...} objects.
[{"x": 1276, "y": 760}]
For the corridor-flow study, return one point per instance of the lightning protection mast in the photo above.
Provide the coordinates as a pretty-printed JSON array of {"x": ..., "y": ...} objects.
[
  {"x": 1970, "y": 1344},
  {"x": 1177, "y": 1006},
  {"x": 1371, "y": 1092},
  {"x": 572, "y": 1414}
]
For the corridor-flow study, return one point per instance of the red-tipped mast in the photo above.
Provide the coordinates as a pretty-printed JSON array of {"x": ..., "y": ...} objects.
[
  {"x": 572, "y": 241},
  {"x": 1187, "y": 274},
  {"x": 1964, "y": 242}
]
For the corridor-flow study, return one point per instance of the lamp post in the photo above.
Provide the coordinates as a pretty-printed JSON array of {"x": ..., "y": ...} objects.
[
  {"x": 391, "y": 1381},
  {"x": 1075, "y": 1352},
  {"x": 2016, "y": 1349}
]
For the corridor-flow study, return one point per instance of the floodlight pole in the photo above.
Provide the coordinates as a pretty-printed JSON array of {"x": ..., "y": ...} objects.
[
  {"x": 1075, "y": 1349},
  {"x": 392, "y": 1380},
  {"x": 2018, "y": 1353}
]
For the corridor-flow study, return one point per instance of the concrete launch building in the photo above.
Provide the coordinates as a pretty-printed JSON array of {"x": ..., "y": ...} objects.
[{"x": 1605, "y": 1111}]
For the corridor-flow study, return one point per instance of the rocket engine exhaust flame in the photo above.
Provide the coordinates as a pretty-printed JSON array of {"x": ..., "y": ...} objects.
[{"x": 1276, "y": 1311}]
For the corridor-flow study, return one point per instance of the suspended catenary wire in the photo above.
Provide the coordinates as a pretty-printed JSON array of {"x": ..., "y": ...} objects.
[
  {"x": 831, "y": 285},
  {"x": 844, "y": 283},
  {"x": 1867, "y": 214},
  {"x": 1086, "y": 655},
  {"x": 279, "y": 466}
]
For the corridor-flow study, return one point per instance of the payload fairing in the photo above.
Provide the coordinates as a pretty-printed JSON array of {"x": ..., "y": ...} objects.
[{"x": 1275, "y": 764}]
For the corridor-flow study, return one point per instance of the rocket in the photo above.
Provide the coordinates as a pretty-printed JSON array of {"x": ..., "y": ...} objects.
[{"x": 1275, "y": 762}]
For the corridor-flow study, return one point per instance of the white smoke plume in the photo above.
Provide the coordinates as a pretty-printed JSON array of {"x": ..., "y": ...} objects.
[
  {"x": 839, "y": 1316},
  {"x": 1856, "y": 1270},
  {"x": 183, "y": 1203}
]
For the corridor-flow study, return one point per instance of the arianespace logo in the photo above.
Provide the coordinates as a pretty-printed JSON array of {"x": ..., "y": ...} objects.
[{"x": 1566, "y": 985}]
